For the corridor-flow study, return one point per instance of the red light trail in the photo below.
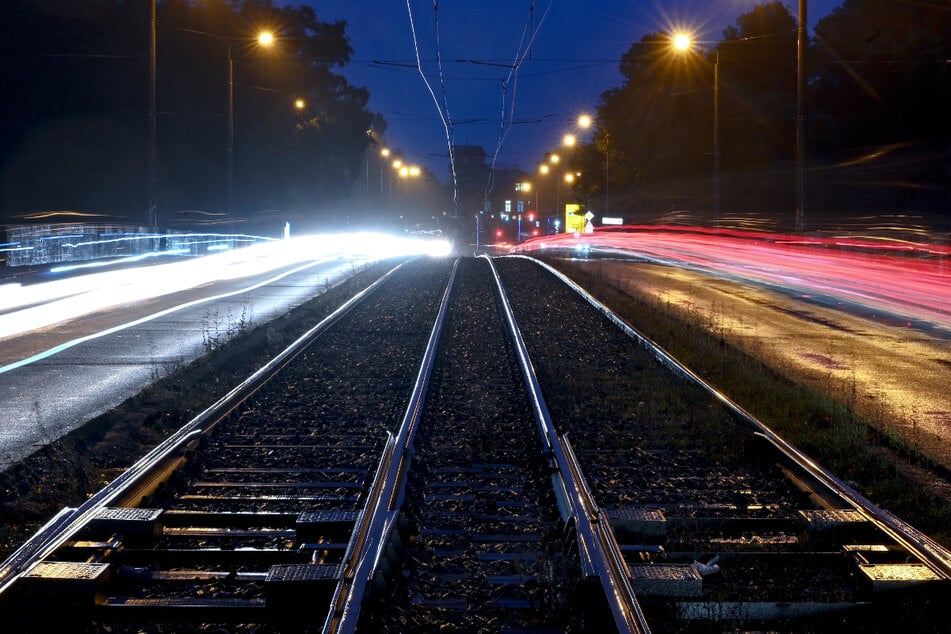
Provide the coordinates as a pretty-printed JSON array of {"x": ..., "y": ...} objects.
[{"x": 902, "y": 278}]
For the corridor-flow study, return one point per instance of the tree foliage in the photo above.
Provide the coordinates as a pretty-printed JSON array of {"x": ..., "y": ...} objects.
[
  {"x": 883, "y": 74},
  {"x": 877, "y": 73},
  {"x": 74, "y": 124}
]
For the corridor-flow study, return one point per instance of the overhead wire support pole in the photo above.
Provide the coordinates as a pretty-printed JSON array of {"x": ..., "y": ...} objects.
[
  {"x": 230, "y": 136},
  {"x": 716, "y": 138},
  {"x": 153, "y": 195}
]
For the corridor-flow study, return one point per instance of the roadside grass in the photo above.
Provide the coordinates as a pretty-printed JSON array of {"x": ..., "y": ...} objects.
[{"x": 879, "y": 463}]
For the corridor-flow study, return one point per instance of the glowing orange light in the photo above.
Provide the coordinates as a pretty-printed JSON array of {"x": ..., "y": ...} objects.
[{"x": 681, "y": 41}]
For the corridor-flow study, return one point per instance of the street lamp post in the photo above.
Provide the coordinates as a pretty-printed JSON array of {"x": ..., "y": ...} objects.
[
  {"x": 683, "y": 42},
  {"x": 384, "y": 157},
  {"x": 230, "y": 134},
  {"x": 584, "y": 122},
  {"x": 265, "y": 38},
  {"x": 716, "y": 138},
  {"x": 555, "y": 159}
]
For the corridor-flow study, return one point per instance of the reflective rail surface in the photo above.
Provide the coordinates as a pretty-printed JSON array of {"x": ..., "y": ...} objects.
[{"x": 475, "y": 445}]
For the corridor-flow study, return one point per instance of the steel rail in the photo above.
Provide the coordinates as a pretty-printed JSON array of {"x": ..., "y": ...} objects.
[
  {"x": 377, "y": 521},
  {"x": 55, "y": 533},
  {"x": 601, "y": 555},
  {"x": 930, "y": 552}
]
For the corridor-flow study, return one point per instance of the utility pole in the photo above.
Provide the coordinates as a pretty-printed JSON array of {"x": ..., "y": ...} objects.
[{"x": 800, "y": 117}]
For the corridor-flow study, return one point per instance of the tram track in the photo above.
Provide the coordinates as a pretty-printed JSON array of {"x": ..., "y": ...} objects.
[{"x": 386, "y": 474}]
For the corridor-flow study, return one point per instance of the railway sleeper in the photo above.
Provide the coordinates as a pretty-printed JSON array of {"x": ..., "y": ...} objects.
[
  {"x": 810, "y": 527},
  {"x": 676, "y": 592},
  {"x": 148, "y": 525},
  {"x": 50, "y": 591},
  {"x": 126, "y": 544}
]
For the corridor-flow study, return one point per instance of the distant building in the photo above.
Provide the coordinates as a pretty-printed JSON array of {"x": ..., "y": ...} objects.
[
  {"x": 472, "y": 178},
  {"x": 497, "y": 198}
]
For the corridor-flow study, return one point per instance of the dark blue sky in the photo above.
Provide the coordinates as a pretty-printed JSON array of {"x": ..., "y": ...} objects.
[{"x": 573, "y": 59}]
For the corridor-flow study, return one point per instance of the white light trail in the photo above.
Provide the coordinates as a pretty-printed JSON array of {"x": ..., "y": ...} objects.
[{"x": 25, "y": 308}]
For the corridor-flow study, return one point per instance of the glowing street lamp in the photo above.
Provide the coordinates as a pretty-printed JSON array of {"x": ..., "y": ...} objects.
[
  {"x": 681, "y": 41},
  {"x": 299, "y": 104}
]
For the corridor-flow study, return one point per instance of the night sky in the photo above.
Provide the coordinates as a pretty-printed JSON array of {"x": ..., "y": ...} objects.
[{"x": 573, "y": 59}]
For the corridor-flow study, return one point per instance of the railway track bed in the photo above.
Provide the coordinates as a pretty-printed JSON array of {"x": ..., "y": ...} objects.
[{"x": 475, "y": 445}]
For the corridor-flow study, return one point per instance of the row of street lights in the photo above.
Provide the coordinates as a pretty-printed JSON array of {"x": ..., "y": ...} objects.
[
  {"x": 568, "y": 176},
  {"x": 397, "y": 167},
  {"x": 683, "y": 42}
]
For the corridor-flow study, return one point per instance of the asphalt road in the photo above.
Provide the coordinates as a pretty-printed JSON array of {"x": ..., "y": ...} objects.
[
  {"x": 71, "y": 372},
  {"x": 894, "y": 370}
]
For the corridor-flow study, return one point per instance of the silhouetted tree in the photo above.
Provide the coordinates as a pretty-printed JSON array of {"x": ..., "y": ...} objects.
[
  {"x": 882, "y": 75},
  {"x": 657, "y": 122},
  {"x": 74, "y": 124},
  {"x": 758, "y": 87}
]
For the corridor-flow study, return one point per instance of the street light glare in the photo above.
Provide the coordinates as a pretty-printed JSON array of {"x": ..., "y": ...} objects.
[
  {"x": 299, "y": 104},
  {"x": 682, "y": 41},
  {"x": 584, "y": 121},
  {"x": 265, "y": 38},
  {"x": 568, "y": 140}
]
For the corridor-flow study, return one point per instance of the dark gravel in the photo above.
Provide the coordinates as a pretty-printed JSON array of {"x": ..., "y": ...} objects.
[{"x": 486, "y": 548}]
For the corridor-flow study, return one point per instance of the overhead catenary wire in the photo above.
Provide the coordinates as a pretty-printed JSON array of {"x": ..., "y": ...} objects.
[
  {"x": 508, "y": 112},
  {"x": 442, "y": 110},
  {"x": 450, "y": 132}
]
